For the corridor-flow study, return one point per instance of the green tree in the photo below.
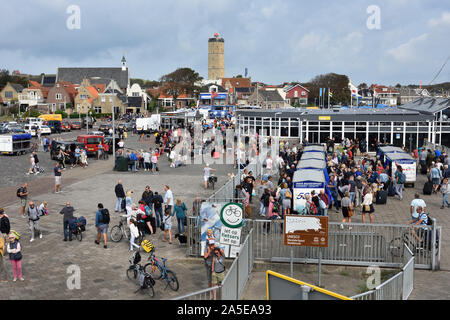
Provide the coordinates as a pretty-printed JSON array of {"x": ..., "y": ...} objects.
[
  {"x": 182, "y": 80},
  {"x": 337, "y": 83}
]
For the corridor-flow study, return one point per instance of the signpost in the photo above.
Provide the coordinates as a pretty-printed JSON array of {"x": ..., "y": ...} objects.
[{"x": 306, "y": 231}]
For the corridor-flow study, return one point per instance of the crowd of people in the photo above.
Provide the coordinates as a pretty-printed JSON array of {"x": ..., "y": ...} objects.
[{"x": 355, "y": 183}]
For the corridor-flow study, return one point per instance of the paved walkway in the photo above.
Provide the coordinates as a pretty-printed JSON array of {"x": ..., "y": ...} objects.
[{"x": 103, "y": 271}]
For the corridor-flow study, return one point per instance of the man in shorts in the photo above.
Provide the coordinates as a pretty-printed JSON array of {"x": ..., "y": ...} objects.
[
  {"x": 101, "y": 225},
  {"x": 23, "y": 195},
  {"x": 57, "y": 170}
]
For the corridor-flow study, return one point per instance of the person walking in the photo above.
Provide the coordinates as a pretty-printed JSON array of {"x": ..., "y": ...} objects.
[
  {"x": 400, "y": 182},
  {"x": 208, "y": 257},
  {"x": 436, "y": 176},
  {"x": 3, "y": 275},
  {"x": 120, "y": 195},
  {"x": 15, "y": 256},
  {"x": 154, "y": 161},
  {"x": 157, "y": 206},
  {"x": 22, "y": 193},
  {"x": 367, "y": 206},
  {"x": 101, "y": 223},
  {"x": 5, "y": 226},
  {"x": 167, "y": 225},
  {"x": 180, "y": 212},
  {"x": 134, "y": 234},
  {"x": 218, "y": 266},
  {"x": 33, "y": 220},
  {"x": 168, "y": 198},
  {"x": 445, "y": 189},
  {"x": 416, "y": 203},
  {"x": 67, "y": 213},
  {"x": 146, "y": 155},
  {"x": 196, "y": 207},
  {"x": 57, "y": 171},
  {"x": 347, "y": 209}
]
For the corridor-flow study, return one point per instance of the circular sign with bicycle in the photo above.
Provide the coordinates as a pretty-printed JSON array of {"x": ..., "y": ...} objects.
[{"x": 232, "y": 215}]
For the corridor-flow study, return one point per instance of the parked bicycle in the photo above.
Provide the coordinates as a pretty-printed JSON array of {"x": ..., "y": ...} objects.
[
  {"x": 157, "y": 267},
  {"x": 121, "y": 230},
  {"x": 423, "y": 244},
  {"x": 136, "y": 273}
]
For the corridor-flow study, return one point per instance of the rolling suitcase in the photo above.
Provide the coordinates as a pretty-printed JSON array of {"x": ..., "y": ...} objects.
[
  {"x": 381, "y": 197},
  {"x": 428, "y": 188},
  {"x": 391, "y": 190},
  {"x": 423, "y": 170}
]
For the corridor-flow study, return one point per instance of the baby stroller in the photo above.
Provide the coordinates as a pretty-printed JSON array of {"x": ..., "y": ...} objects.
[{"x": 78, "y": 226}]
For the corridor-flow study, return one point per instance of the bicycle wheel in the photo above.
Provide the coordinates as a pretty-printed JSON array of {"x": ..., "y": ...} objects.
[
  {"x": 172, "y": 280},
  {"x": 132, "y": 273},
  {"x": 153, "y": 270},
  {"x": 149, "y": 288},
  {"x": 396, "y": 247},
  {"x": 79, "y": 234},
  {"x": 116, "y": 234}
]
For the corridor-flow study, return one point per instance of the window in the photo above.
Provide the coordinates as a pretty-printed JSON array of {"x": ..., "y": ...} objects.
[
  {"x": 135, "y": 94},
  {"x": 83, "y": 96},
  {"x": 98, "y": 109},
  {"x": 61, "y": 106},
  {"x": 303, "y": 93},
  {"x": 94, "y": 140},
  {"x": 9, "y": 94},
  {"x": 111, "y": 99},
  {"x": 58, "y": 96},
  {"x": 103, "y": 98}
]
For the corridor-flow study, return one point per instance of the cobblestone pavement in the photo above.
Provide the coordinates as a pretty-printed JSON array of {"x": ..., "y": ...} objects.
[{"x": 103, "y": 271}]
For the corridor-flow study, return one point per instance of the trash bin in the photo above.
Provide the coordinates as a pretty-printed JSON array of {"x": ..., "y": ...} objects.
[{"x": 121, "y": 164}]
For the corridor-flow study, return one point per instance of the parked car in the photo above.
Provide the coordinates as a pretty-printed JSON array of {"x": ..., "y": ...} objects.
[
  {"x": 65, "y": 126},
  {"x": 75, "y": 125},
  {"x": 96, "y": 133},
  {"x": 55, "y": 125},
  {"x": 91, "y": 143},
  {"x": 45, "y": 130},
  {"x": 104, "y": 128},
  {"x": 16, "y": 129},
  {"x": 31, "y": 129},
  {"x": 88, "y": 121}
]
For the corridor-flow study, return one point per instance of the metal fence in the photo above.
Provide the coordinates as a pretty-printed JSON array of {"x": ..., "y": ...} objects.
[
  {"x": 235, "y": 280},
  {"x": 363, "y": 245},
  {"x": 398, "y": 287}
]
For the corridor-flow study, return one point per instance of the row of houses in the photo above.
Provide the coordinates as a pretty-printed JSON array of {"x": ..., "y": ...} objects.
[{"x": 79, "y": 90}]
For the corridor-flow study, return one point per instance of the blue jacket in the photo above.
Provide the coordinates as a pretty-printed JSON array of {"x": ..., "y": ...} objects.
[
  {"x": 133, "y": 157},
  {"x": 98, "y": 218}
]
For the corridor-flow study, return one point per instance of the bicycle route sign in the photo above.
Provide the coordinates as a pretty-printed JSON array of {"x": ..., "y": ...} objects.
[{"x": 306, "y": 231}]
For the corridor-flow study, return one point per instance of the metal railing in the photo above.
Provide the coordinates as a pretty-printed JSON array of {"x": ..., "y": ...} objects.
[
  {"x": 398, "y": 287},
  {"x": 205, "y": 294},
  {"x": 235, "y": 280},
  {"x": 363, "y": 245}
]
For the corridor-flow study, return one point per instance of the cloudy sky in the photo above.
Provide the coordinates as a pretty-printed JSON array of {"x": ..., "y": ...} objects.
[{"x": 277, "y": 40}]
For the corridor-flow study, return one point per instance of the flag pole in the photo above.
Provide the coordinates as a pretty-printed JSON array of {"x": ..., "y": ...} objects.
[{"x": 328, "y": 98}]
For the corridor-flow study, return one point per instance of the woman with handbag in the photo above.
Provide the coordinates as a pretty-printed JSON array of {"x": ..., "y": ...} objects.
[
  {"x": 347, "y": 209},
  {"x": 15, "y": 256},
  {"x": 367, "y": 206}
]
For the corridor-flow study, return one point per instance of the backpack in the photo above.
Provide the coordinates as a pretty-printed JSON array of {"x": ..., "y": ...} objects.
[
  {"x": 429, "y": 222},
  {"x": 276, "y": 207},
  {"x": 18, "y": 192},
  {"x": 401, "y": 178},
  {"x": 105, "y": 214},
  {"x": 312, "y": 207}
]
